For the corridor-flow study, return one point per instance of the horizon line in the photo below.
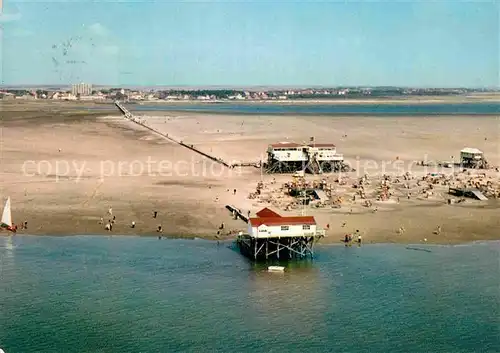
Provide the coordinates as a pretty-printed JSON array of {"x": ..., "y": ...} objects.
[{"x": 245, "y": 87}]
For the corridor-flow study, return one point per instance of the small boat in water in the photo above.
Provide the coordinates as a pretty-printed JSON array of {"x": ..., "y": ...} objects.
[
  {"x": 6, "y": 222},
  {"x": 276, "y": 269}
]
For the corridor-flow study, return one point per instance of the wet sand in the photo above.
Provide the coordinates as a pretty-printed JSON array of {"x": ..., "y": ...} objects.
[{"x": 64, "y": 168}]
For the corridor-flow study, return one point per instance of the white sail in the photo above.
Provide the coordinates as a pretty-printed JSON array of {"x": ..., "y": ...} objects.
[{"x": 6, "y": 217}]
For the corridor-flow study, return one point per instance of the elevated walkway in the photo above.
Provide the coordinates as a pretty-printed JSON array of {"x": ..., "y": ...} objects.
[
  {"x": 237, "y": 212},
  {"x": 129, "y": 116}
]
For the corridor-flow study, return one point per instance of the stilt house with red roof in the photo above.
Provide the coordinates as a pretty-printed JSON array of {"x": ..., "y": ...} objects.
[{"x": 270, "y": 234}]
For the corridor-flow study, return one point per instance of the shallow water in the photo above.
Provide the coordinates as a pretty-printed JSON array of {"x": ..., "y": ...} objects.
[
  {"x": 110, "y": 294},
  {"x": 483, "y": 108}
]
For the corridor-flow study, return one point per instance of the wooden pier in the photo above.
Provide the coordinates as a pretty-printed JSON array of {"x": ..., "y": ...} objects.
[
  {"x": 130, "y": 117},
  {"x": 248, "y": 164},
  {"x": 237, "y": 213}
]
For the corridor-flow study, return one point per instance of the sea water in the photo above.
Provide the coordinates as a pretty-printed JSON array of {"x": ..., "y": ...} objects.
[
  {"x": 369, "y": 109},
  {"x": 131, "y": 294}
]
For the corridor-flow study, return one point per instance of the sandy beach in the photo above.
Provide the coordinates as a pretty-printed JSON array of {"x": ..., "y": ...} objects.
[{"x": 64, "y": 167}]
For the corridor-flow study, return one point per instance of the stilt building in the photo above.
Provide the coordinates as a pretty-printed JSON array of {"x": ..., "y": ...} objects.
[
  {"x": 273, "y": 236},
  {"x": 472, "y": 158},
  {"x": 315, "y": 158}
]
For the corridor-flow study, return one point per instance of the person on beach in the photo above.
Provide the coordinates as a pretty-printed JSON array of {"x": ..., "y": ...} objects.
[
  {"x": 159, "y": 229},
  {"x": 155, "y": 213},
  {"x": 108, "y": 227},
  {"x": 359, "y": 239},
  {"x": 132, "y": 225},
  {"x": 101, "y": 221},
  {"x": 110, "y": 211}
]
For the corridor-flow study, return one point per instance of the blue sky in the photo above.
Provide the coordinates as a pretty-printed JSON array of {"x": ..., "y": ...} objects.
[{"x": 248, "y": 43}]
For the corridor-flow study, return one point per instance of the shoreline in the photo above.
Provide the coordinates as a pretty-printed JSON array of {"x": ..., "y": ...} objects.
[
  {"x": 213, "y": 239},
  {"x": 383, "y": 100},
  {"x": 451, "y": 99},
  {"x": 304, "y": 114}
]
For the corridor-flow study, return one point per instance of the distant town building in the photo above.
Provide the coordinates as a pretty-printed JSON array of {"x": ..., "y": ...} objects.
[
  {"x": 82, "y": 89},
  {"x": 90, "y": 98}
]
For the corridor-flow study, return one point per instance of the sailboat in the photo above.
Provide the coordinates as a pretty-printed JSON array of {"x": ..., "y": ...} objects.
[{"x": 6, "y": 222}]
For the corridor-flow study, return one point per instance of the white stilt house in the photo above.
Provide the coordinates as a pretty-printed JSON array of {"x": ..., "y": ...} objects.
[
  {"x": 472, "y": 158},
  {"x": 271, "y": 234},
  {"x": 273, "y": 227},
  {"x": 290, "y": 157}
]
